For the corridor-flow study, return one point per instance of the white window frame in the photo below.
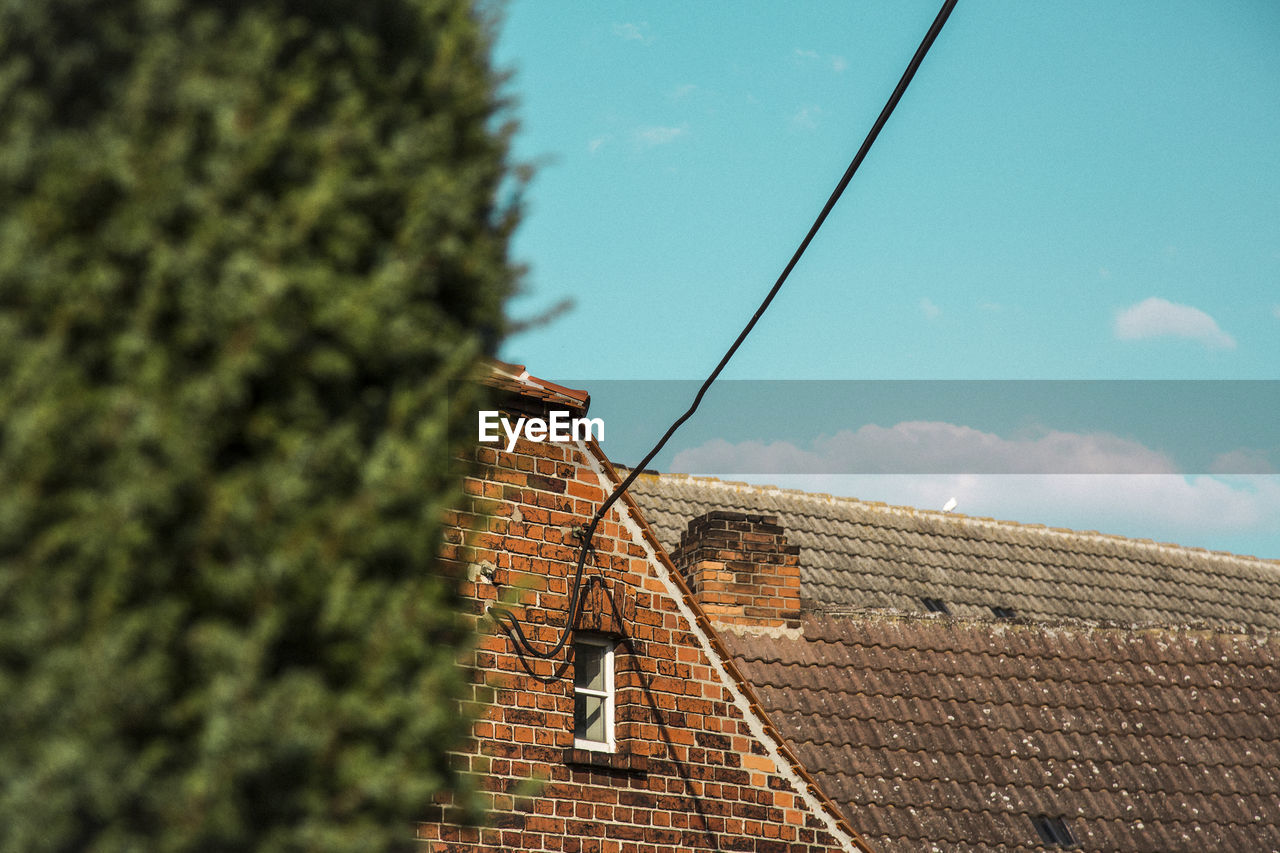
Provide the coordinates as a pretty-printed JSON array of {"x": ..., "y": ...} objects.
[{"x": 609, "y": 743}]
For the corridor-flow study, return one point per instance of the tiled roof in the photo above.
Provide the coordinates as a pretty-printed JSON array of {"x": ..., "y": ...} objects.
[
  {"x": 858, "y": 555},
  {"x": 954, "y": 734}
]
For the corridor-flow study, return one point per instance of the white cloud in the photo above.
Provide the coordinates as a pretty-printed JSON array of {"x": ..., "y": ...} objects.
[
  {"x": 599, "y": 142},
  {"x": 806, "y": 118},
  {"x": 1167, "y": 508},
  {"x": 927, "y": 447},
  {"x": 1242, "y": 461},
  {"x": 812, "y": 57},
  {"x": 633, "y": 32},
  {"x": 650, "y": 137},
  {"x": 1155, "y": 317},
  {"x": 683, "y": 91},
  {"x": 929, "y": 310},
  {"x": 1275, "y": 311},
  {"x": 1121, "y": 486}
]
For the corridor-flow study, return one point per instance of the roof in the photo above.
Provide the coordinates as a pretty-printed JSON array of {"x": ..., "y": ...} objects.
[
  {"x": 1135, "y": 699},
  {"x": 954, "y": 734},
  {"x": 858, "y": 555},
  {"x": 517, "y": 381}
]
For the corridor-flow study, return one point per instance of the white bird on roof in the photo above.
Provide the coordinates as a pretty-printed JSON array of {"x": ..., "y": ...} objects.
[{"x": 949, "y": 505}]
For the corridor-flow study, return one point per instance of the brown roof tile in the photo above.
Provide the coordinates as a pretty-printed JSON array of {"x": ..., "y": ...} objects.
[
  {"x": 956, "y": 733},
  {"x": 514, "y": 379},
  {"x": 953, "y": 733}
]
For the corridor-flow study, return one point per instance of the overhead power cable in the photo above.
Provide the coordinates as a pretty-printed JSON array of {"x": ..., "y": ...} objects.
[{"x": 504, "y": 618}]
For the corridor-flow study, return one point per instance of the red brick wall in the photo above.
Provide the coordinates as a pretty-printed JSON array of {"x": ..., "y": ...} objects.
[
  {"x": 741, "y": 569},
  {"x": 688, "y": 774}
]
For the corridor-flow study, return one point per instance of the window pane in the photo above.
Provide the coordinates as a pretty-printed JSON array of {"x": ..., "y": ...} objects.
[
  {"x": 588, "y": 666},
  {"x": 588, "y": 718}
]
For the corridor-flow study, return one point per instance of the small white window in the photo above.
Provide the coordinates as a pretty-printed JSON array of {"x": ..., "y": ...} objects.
[{"x": 593, "y": 693}]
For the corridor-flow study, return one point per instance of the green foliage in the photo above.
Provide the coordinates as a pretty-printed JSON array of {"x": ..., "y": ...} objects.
[{"x": 245, "y": 249}]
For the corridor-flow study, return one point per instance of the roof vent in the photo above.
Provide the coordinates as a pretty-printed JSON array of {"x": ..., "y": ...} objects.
[
  {"x": 1053, "y": 831},
  {"x": 1004, "y": 612},
  {"x": 936, "y": 605}
]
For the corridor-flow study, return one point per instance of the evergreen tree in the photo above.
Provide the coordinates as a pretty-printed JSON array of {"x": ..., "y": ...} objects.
[{"x": 245, "y": 248}]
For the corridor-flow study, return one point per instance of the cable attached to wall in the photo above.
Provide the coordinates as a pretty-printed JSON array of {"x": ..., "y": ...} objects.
[{"x": 505, "y": 620}]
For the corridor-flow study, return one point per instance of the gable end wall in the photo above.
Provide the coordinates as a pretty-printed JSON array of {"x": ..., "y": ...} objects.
[{"x": 697, "y": 767}]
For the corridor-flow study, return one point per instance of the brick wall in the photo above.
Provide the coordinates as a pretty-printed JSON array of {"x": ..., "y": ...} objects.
[
  {"x": 692, "y": 770},
  {"x": 741, "y": 569}
]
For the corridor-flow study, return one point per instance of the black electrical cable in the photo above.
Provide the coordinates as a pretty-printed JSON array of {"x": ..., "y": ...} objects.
[{"x": 505, "y": 619}]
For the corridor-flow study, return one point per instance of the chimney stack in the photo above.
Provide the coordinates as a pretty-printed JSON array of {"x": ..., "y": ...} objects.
[{"x": 741, "y": 569}]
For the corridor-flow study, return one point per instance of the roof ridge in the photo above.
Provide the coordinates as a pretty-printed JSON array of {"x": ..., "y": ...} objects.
[
  {"x": 518, "y": 374},
  {"x": 977, "y": 520}
]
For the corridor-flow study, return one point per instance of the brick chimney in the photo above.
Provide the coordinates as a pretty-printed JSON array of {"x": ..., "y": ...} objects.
[{"x": 741, "y": 569}]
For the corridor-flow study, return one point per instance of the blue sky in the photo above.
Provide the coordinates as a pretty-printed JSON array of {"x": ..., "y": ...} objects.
[{"x": 1067, "y": 191}]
